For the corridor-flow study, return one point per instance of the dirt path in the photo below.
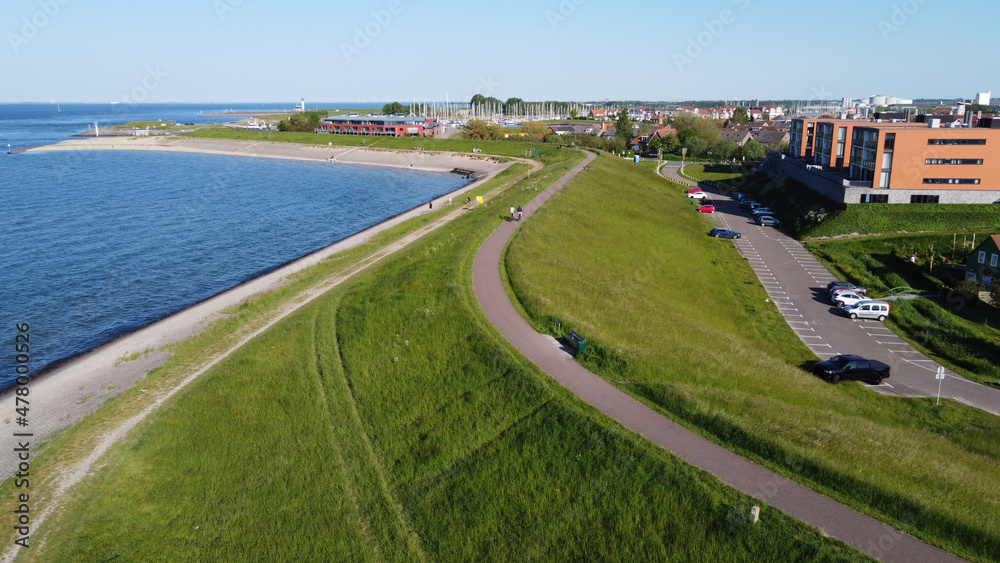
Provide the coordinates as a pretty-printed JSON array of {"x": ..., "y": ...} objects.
[{"x": 833, "y": 518}]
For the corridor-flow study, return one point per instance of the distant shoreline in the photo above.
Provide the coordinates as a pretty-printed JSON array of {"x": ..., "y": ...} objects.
[{"x": 415, "y": 160}]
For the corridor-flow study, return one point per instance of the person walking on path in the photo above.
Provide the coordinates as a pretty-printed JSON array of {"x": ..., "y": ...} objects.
[
  {"x": 430, "y": 205},
  {"x": 519, "y": 212},
  {"x": 511, "y": 212}
]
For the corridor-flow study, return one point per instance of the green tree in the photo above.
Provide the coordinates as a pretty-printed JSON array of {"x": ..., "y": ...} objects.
[
  {"x": 753, "y": 149},
  {"x": 655, "y": 144},
  {"x": 624, "y": 128},
  {"x": 305, "y": 122},
  {"x": 723, "y": 149},
  {"x": 710, "y": 131},
  {"x": 671, "y": 144},
  {"x": 573, "y": 113},
  {"x": 695, "y": 146},
  {"x": 536, "y": 128},
  {"x": 740, "y": 116},
  {"x": 480, "y": 130},
  {"x": 511, "y": 106},
  {"x": 394, "y": 107}
]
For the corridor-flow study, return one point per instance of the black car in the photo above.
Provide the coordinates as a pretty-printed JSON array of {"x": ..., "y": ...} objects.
[
  {"x": 723, "y": 233},
  {"x": 849, "y": 367}
]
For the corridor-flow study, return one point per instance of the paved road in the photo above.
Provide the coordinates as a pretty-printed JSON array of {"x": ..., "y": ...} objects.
[
  {"x": 837, "y": 520},
  {"x": 796, "y": 282}
]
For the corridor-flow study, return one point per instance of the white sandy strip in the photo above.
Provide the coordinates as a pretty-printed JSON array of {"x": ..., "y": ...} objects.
[
  {"x": 77, "y": 388},
  {"x": 416, "y": 159}
]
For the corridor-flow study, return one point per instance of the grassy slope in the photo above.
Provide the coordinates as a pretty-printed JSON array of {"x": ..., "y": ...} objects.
[
  {"x": 679, "y": 319},
  {"x": 387, "y": 421}
]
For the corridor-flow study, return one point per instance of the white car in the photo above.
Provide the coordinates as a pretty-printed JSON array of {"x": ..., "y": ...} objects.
[
  {"x": 877, "y": 310},
  {"x": 697, "y": 195},
  {"x": 762, "y": 211},
  {"x": 847, "y": 298}
]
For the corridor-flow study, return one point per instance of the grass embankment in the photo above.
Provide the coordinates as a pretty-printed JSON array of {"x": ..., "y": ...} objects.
[
  {"x": 387, "y": 421},
  {"x": 679, "y": 320},
  {"x": 950, "y": 328}
]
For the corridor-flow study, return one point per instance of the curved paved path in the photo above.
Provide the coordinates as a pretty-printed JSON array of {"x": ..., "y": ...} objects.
[{"x": 835, "y": 519}]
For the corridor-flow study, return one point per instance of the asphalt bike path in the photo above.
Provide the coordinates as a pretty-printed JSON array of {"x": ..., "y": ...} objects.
[
  {"x": 839, "y": 521},
  {"x": 796, "y": 282}
]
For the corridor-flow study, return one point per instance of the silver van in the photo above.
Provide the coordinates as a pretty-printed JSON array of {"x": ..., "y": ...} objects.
[{"x": 878, "y": 310}]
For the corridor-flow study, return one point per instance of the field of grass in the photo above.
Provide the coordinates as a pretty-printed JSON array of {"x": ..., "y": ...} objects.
[
  {"x": 387, "y": 421},
  {"x": 679, "y": 320},
  {"x": 950, "y": 328},
  {"x": 885, "y": 218}
]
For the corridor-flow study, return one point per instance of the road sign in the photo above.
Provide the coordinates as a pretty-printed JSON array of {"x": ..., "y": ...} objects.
[{"x": 939, "y": 375}]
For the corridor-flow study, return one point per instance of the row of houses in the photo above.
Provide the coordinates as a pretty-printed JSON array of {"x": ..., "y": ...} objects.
[
  {"x": 771, "y": 134},
  {"x": 658, "y": 115}
]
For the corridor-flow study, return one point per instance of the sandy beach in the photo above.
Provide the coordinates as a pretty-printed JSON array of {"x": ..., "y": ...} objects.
[{"x": 66, "y": 394}]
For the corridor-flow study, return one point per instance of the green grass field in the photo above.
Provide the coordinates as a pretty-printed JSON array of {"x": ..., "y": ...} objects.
[
  {"x": 387, "y": 421},
  {"x": 679, "y": 320}
]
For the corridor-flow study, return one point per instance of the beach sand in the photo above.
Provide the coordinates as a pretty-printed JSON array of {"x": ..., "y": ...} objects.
[{"x": 77, "y": 388}]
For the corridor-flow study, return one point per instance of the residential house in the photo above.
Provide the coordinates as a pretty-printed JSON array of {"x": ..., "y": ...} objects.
[
  {"x": 983, "y": 264},
  {"x": 598, "y": 114},
  {"x": 738, "y": 134}
]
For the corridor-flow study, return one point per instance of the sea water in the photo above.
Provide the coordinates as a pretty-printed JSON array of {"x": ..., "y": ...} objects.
[{"x": 95, "y": 244}]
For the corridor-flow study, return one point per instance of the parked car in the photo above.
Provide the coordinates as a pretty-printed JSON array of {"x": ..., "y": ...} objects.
[
  {"x": 868, "y": 309},
  {"x": 707, "y": 209},
  {"x": 747, "y": 203},
  {"x": 697, "y": 195},
  {"x": 762, "y": 211},
  {"x": 846, "y": 298},
  {"x": 849, "y": 367},
  {"x": 693, "y": 190},
  {"x": 830, "y": 287},
  {"x": 739, "y": 196},
  {"x": 723, "y": 233},
  {"x": 768, "y": 221}
]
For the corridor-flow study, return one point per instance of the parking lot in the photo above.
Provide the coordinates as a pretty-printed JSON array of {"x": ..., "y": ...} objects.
[{"x": 796, "y": 283}]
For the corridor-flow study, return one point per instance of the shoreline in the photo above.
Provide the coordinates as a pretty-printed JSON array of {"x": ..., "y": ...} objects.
[
  {"x": 74, "y": 387},
  {"x": 428, "y": 161}
]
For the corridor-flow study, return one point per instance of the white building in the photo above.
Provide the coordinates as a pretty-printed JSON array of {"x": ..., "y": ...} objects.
[{"x": 983, "y": 98}]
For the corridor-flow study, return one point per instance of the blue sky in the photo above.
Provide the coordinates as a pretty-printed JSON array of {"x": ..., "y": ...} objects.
[{"x": 384, "y": 50}]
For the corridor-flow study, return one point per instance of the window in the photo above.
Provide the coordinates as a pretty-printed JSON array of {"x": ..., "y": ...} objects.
[
  {"x": 956, "y": 141},
  {"x": 951, "y": 180},
  {"x": 953, "y": 161},
  {"x": 993, "y": 260},
  {"x": 924, "y": 198},
  {"x": 982, "y": 256},
  {"x": 874, "y": 198},
  {"x": 890, "y": 141}
]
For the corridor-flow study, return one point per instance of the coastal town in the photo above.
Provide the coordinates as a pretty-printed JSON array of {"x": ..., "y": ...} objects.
[{"x": 500, "y": 283}]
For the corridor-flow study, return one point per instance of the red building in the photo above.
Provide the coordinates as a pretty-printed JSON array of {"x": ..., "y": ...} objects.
[{"x": 380, "y": 125}]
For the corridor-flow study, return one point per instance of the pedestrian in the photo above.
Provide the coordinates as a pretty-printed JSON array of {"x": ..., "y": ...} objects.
[
  {"x": 519, "y": 211},
  {"x": 512, "y": 213},
  {"x": 468, "y": 200},
  {"x": 430, "y": 205},
  {"x": 449, "y": 201}
]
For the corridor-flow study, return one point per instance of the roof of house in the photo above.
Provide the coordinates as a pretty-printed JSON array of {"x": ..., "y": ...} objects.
[
  {"x": 769, "y": 137},
  {"x": 664, "y": 131}
]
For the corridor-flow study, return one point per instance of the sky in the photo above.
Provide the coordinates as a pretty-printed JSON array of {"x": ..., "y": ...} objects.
[{"x": 572, "y": 50}]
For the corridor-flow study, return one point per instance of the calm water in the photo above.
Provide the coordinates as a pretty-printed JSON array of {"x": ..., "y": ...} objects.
[{"x": 96, "y": 244}]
